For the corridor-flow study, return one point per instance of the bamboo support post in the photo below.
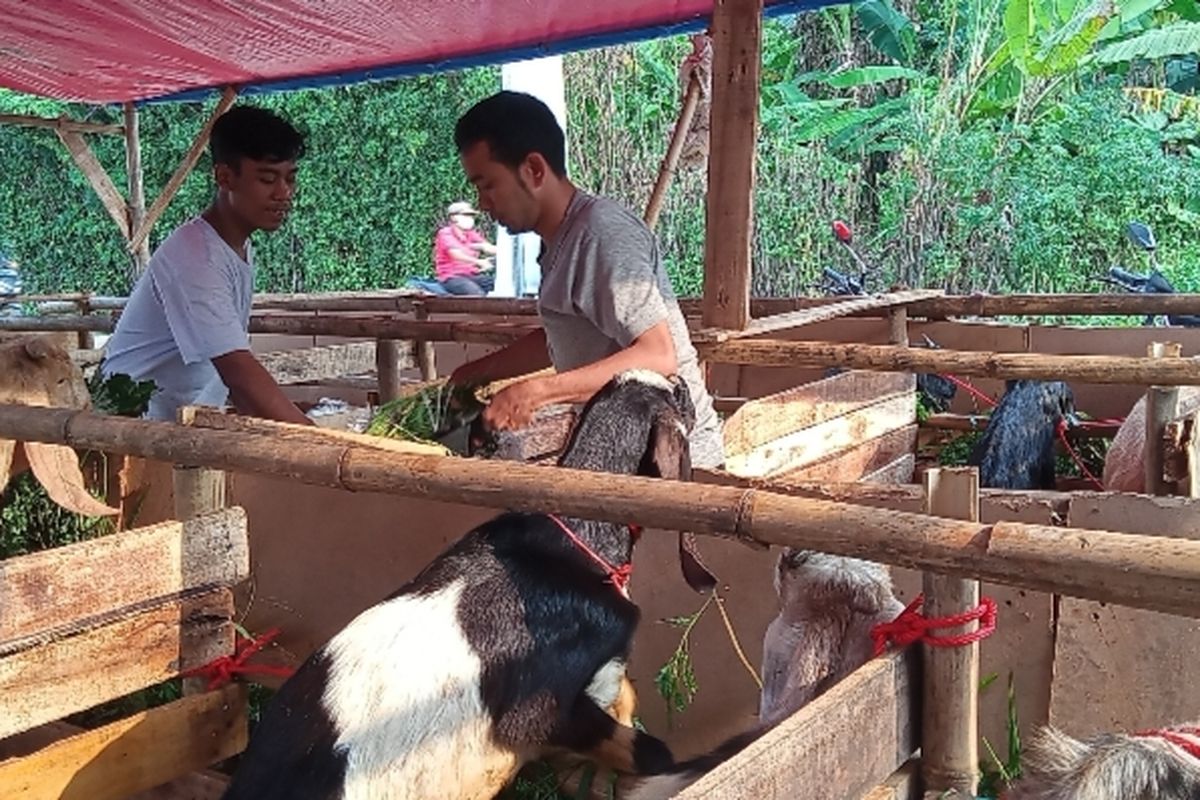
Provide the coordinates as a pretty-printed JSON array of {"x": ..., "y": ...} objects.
[
  {"x": 426, "y": 358},
  {"x": 670, "y": 163},
  {"x": 1155, "y": 572},
  {"x": 181, "y": 172},
  {"x": 137, "y": 192},
  {"x": 733, "y": 134},
  {"x": 387, "y": 368},
  {"x": 198, "y": 490},
  {"x": 898, "y": 322},
  {"x": 950, "y": 708},
  {"x": 1161, "y": 404}
]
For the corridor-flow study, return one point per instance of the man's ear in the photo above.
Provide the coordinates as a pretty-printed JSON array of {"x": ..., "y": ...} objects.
[{"x": 225, "y": 176}]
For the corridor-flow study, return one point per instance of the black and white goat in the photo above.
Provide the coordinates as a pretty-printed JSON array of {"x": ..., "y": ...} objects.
[
  {"x": 828, "y": 605},
  {"x": 510, "y": 645}
]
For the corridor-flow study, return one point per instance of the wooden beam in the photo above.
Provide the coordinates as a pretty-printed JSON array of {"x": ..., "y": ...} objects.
[
  {"x": 890, "y": 358},
  {"x": 46, "y": 594},
  {"x": 733, "y": 136},
  {"x": 1039, "y": 305},
  {"x": 181, "y": 172},
  {"x": 311, "y": 364},
  {"x": 810, "y": 316},
  {"x": 133, "y": 754},
  {"x": 91, "y": 168},
  {"x": 971, "y": 422},
  {"x": 950, "y": 707},
  {"x": 137, "y": 189},
  {"x": 58, "y": 678},
  {"x": 841, "y": 745},
  {"x": 388, "y": 353},
  {"x": 423, "y": 351},
  {"x": 1155, "y": 572},
  {"x": 60, "y": 124},
  {"x": 1161, "y": 404}
]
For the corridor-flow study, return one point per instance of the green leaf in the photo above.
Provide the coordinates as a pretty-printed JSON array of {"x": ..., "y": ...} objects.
[
  {"x": 867, "y": 76},
  {"x": 1132, "y": 9},
  {"x": 888, "y": 30},
  {"x": 1180, "y": 38}
]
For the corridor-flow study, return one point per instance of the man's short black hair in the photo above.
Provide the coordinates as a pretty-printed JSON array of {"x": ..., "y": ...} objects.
[
  {"x": 254, "y": 133},
  {"x": 514, "y": 125}
]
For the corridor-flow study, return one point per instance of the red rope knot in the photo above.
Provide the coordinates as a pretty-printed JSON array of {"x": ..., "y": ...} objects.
[
  {"x": 617, "y": 576},
  {"x": 912, "y": 627},
  {"x": 222, "y": 670}
]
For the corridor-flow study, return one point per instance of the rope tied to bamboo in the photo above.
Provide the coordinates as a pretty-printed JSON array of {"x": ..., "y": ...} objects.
[{"x": 911, "y": 627}]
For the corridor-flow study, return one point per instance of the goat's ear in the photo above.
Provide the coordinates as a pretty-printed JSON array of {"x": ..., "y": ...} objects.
[{"x": 667, "y": 454}]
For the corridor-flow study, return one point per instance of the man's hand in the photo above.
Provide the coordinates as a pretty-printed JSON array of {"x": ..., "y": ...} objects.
[{"x": 513, "y": 406}]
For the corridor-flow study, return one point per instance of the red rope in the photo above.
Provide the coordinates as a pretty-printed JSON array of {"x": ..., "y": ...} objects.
[
  {"x": 1062, "y": 437},
  {"x": 221, "y": 671},
  {"x": 617, "y": 576},
  {"x": 911, "y": 627},
  {"x": 969, "y": 389},
  {"x": 1177, "y": 737}
]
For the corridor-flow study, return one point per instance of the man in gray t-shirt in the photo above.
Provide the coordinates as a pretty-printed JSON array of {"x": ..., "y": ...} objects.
[{"x": 605, "y": 301}]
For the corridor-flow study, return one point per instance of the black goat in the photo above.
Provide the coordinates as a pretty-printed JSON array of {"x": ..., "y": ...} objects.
[
  {"x": 509, "y": 646},
  {"x": 1016, "y": 450}
]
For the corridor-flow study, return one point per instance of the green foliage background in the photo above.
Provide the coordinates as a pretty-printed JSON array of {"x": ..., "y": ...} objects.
[{"x": 970, "y": 145}]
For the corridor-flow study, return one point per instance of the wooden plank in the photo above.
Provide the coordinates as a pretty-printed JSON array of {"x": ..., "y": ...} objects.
[
  {"x": 950, "y": 701},
  {"x": 59, "y": 124},
  {"x": 818, "y": 441},
  {"x": 903, "y": 785},
  {"x": 766, "y": 419},
  {"x": 181, "y": 172},
  {"x": 56, "y": 679},
  {"x": 48, "y": 594},
  {"x": 133, "y": 754},
  {"x": 898, "y": 471},
  {"x": 319, "y": 363},
  {"x": 733, "y": 135},
  {"x": 91, "y": 168},
  {"x": 854, "y": 463},
  {"x": 843, "y": 744},
  {"x": 810, "y": 316}
]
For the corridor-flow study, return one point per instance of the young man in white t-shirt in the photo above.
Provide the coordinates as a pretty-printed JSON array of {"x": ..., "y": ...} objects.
[{"x": 186, "y": 324}]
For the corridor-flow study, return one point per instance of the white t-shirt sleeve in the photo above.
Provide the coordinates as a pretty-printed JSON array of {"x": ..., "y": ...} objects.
[{"x": 199, "y": 298}]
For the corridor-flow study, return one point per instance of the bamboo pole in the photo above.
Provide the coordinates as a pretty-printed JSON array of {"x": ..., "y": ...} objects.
[
  {"x": 137, "y": 191},
  {"x": 1161, "y": 405},
  {"x": 181, "y": 172},
  {"x": 889, "y": 358},
  {"x": 406, "y": 301},
  {"x": 950, "y": 707},
  {"x": 967, "y": 422},
  {"x": 733, "y": 134},
  {"x": 426, "y": 357},
  {"x": 59, "y": 124},
  {"x": 795, "y": 319},
  {"x": 898, "y": 323},
  {"x": 387, "y": 368},
  {"x": 1158, "y": 573},
  {"x": 670, "y": 163}
]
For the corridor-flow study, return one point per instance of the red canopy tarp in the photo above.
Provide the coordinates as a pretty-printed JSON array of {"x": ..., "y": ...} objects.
[{"x": 105, "y": 51}]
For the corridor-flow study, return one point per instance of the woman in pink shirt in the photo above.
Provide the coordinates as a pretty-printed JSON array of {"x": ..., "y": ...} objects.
[{"x": 456, "y": 253}]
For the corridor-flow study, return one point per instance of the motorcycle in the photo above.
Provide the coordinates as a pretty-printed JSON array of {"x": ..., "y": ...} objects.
[{"x": 1154, "y": 282}]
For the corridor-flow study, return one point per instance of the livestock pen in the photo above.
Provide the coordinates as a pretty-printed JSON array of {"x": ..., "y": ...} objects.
[{"x": 808, "y": 437}]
